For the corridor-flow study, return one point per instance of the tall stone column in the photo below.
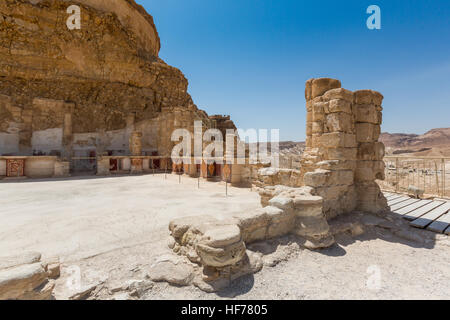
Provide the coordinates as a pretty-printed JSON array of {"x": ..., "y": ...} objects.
[
  {"x": 136, "y": 152},
  {"x": 370, "y": 164},
  {"x": 135, "y": 142},
  {"x": 330, "y": 157},
  {"x": 67, "y": 130},
  {"x": 343, "y": 157}
]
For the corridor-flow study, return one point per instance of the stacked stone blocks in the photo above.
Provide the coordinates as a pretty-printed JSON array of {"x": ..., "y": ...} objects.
[{"x": 343, "y": 157}]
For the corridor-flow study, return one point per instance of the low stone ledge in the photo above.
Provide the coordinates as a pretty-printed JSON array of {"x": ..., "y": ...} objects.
[
  {"x": 219, "y": 247},
  {"x": 18, "y": 260},
  {"x": 25, "y": 277}
]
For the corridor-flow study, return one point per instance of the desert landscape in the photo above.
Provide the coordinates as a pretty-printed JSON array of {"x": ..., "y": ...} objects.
[{"x": 115, "y": 185}]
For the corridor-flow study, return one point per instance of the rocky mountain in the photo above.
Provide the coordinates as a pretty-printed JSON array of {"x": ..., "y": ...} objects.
[
  {"x": 87, "y": 85},
  {"x": 292, "y": 148},
  {"x": 435, "y": 142}
]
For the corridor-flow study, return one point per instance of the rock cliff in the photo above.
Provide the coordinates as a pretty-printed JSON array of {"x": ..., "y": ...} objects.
[{"x": 96, "y": 80}]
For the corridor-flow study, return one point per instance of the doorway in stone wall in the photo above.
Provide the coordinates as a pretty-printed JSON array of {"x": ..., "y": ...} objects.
[
  {"x": 156, "y": 163},
  {"x": 214, "y": 171},
  {"x": 84, "y": 162}
]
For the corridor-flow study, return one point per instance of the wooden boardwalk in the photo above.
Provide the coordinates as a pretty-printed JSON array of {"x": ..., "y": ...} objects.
[{"x": 432, "y": 215}]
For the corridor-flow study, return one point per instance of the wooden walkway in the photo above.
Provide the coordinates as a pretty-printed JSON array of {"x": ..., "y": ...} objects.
[{"x": 424, "y": 214}]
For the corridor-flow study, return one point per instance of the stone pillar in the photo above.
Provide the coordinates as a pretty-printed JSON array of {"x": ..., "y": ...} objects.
[
  {"x": 126, "y": 164},
  {"x": 146, "y": 164},
  {"x": 192, "y": 169},
  {"x": 342, "y": 139},
  {"x": 329, "y": 160},
  {"x": 2, "y": 168},
  {"x": 136, "y": 165},
  {"x": 67, "y": 136},
  {"x": 136, "y": 143},
  {"x": 370, "y": 164},
  {"x": 236, "y": 174},
  {"x": 103, "y": 166},
  {"x": 26, "y": 133}
]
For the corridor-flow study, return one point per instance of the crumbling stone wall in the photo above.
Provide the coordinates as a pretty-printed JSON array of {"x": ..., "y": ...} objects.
[
  {"x": 343, "y": 156},
  {"x": 219, "y": 246}
]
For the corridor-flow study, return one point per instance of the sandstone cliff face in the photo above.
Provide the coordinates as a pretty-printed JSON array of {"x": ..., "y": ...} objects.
[{"x": 105, "y": 77}]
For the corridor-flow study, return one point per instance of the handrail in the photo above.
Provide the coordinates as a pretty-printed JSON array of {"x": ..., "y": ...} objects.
[
  {"x": 429, "y": 173},
  {"x": 417, "y": 157}
]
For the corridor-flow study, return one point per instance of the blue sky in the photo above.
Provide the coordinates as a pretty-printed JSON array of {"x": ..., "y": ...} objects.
[{"x": 251, "y": 58}]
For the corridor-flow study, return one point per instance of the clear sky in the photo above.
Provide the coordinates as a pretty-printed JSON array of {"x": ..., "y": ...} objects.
[{"x": 250, "y": 58}]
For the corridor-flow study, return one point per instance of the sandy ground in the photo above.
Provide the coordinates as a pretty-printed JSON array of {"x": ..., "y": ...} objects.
[
  {"x": 111, "y": 230},
  {"x": 80, "y": 217},
  {"x": 365, "y": 269}
]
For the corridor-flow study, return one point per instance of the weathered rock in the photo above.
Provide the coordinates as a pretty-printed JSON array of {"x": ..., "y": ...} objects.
[
  {"x": 83, "y": 292},
  {"x": 415, "y": 191},
  {"x": 217, "y": 280},
  {"x": 53, "y": 267},
  {"x": 221, "y": 236},
  {"x": 172, "y": 270},
  {"x": 91, "y": 87},
  {"x": 253, "y": 225},
  {"x": 282, "y": 253},
  {"x": 15, "y": 261},
  {"x": 137, "y": 287},
  {"x": 24, "y": 277},
  {"x": 219, "y": 245},
  {"x": 21, "y": 282},
  {"x": 338, "y": 93},
  {"x": 319, "y": 243},
  {"x": 179, "y": 227},
  {"x": 322, "y": 85},
  {"x": 283, "y": 203},
  {"x": 343, "y": 157}
]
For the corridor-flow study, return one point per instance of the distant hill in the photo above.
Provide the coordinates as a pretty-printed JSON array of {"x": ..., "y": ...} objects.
[
  {"x": 435, "y": 142},
  {"x": 292, "y": 148}
]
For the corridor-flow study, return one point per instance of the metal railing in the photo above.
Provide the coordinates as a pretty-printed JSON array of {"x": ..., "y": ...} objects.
[{"x": 431, "y": 174}]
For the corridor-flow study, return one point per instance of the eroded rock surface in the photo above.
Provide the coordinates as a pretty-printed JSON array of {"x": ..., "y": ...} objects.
[
  {"x": 26, "y": 277},
  {"x": 62, "y": 90}
]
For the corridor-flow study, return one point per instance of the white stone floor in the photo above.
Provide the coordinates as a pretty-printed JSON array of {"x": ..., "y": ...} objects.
[{"x": 80, "y": 217}]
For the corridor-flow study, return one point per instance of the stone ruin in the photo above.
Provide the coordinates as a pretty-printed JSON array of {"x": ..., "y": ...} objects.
[
  {"x": 342, "y": 160},
  {"x": 67, "y": 95},
  {"x": 343, "y": 157},
  {"x": 61, "y": 96}
]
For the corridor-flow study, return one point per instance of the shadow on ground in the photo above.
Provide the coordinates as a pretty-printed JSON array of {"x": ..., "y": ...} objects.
[{"x": 389, "y": 227}]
